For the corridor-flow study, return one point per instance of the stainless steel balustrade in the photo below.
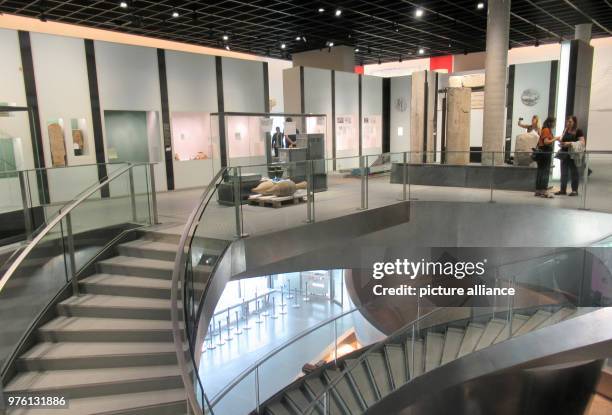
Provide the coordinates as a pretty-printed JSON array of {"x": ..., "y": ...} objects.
[
  {"x": 53, "y": 260},
  {"x": 208, "y": 220}
]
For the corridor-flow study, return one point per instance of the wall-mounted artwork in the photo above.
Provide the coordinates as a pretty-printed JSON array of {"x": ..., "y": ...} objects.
[
  {"x": 372, "y": 131},
  {"x": 346, "y": 133},
  {"x": 57, "y": 145},
  {"x": 126, "y": 136},
  {"x": 530, "y": 97},
  {"x": 77, "y": 126},
  {"x": 401, "y": 104}
]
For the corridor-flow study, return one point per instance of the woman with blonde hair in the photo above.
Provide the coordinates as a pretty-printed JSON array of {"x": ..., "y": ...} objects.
[{"x": 534, "y": 127}]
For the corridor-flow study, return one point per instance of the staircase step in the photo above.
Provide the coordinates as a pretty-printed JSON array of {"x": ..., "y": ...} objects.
[
  {"x": 562, "y": 314},
  {"x": 158, "y": 402},
  {"x": 88, "y": 329},
  {"x": 361, "y": 379},
  {"x": 534, "y": 321},
  {"x": 298, "y": 399},
  {"x": 492, "y": 330},
  {"x": 452, "y": 343},
  {"x": 378, "y": 367},
  {"x": 470, "y": 339},
  {"x": 344, "y": 391},
  {"x": 115, "y": 284},
  {"x": 142, "y": 248},
  {"x": 83, "y": 355},
  {"x": 415, "y": 357},
  {"x": 139, "y": 267},
  {"x": 82, "y": 383},
  {"x": 111, "y": 306},
  {"x": 397, "y": 362},
  {"x": 161, "y": 236},
  {"x": 517, "y": 321},
  {"x": 277, "y": 408},
  {"x": 315, "y": 387},
  {"x": 434, "y": 344}
]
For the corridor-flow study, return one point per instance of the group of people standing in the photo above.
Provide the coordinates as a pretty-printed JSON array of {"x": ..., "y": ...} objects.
[{"x": 572, "y": 145}]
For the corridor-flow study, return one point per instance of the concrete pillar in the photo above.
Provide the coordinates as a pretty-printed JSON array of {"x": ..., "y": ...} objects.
[
  {"x": 496, "y": 62},
  {"x": 417, "y": 116},
  {"x": 459, "y": 107},
  {"x": 583, "y": 32}
]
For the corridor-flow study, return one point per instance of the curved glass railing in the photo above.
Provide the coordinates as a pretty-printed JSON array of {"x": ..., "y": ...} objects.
[
  {"x": 33, "y": 196},
  {"x": 549, "y": 289},
  {"x": 66, "y": 247},
  {"x": 331, "y": 188}
]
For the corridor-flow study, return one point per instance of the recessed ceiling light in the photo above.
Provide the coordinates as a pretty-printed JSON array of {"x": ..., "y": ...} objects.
[
  {"x": 298, "y": 38},
  {"x": 175, "y": 14},
  {"x": 225, "y": 37},
  {"x": 330, "y": 44},
  {"x": 356, "y": 49},
  {"x": 338, "y": 12},
  {"x": 419, "y": 12},
  {"x": 123, "y": 4},
  {"x": 480, "y": 5},
  {"x": 321, "y": 9},
  {"x": 283, "y": 46},
  {"x": 227, "y": 47},
  {"x": 421, "y": 51}
]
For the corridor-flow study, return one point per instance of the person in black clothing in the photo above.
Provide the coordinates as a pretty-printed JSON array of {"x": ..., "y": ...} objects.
[
  {"x": 543, "y": 157},
  {"x": 277, "y": 141},
  {"x": 571, "y": 134}
]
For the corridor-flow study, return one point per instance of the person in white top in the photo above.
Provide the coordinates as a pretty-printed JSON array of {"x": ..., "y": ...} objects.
[{"x": 533, "y": 128}]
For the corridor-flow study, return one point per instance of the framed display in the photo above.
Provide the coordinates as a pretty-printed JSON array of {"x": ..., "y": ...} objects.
[
  {"x": 346, "y": 132},
  {"x": 191, "y": 138},
  {"x": 57, "y": 144}
]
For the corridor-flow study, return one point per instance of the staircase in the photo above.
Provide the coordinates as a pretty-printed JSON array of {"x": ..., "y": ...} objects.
[
  {"x": 390, "y": 367},
  {"x": 110, "y": 350}
]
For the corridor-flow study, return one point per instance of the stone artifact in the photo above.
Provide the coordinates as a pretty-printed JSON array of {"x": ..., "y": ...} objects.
[
  {"x": 78, "y": 143},
  {"x": 57, "y": 144},
  {"x": 458, "y": 125},
  {"x": 263, "y": 187},
  {"x": 523, "y": 147},
  {"x": 284, "y": 188}
]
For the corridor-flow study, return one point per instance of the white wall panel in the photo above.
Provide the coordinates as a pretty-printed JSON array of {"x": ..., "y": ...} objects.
[
  {"x": 347, "y": 104},
  {"x": 275, "y": 83},
  {"x": 243, "y": 88},
  {"x": 318, "y": 100},
  {"x": 128, "y": 79},
  {"x": 371, "y": 88},
  {"x": 192, "y": 87}
]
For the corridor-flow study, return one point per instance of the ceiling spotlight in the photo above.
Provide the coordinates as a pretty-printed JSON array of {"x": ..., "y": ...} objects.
[
  {"x": 175, "y": 14},
  {"x": 298, "y": 38},
  {"x": 480, "y": 5},
  {"x": 304, "y": 38},
  {"x": 419, "y": 12},
  {"x": 421, "y": 51},
  {"x": 330, "y": 44},
  {"x": 283, "y": 46},
  {"x": 321, "y": 9},
  {"x": 338, "y": 12},
  {"x": 225, "y": 36},
  {"x": 356, "y": 49},
  {"x": 227, "y": 47},
  {"x": 123, "y": 4}
]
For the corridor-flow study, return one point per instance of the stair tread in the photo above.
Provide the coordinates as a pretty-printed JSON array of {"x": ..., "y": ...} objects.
[
  {"x": 130, "y": 261},
  {"x": 397, "y": 363},
  {"x": 493, "y": 328},
  {"x": 99, "y": 300},
  {"x": 126, "y": 281},
  {"x": 361, "y": 378},
  {"x": 67, "y": 350},
  {"x": 151, "y": 244},
  {"x": 433, "y": 350},
  {"x": 452, "y": 342},
  {"x": 534, "y": 321},
  {"x": 558, "y": 316},
  {"x": 470, "y": 339},
  {"x": 57, "y": 379},
  {"x": 114, "y": 324},
  {"x": 298, "y": 398},
  {"x": 117, "y": 403}
]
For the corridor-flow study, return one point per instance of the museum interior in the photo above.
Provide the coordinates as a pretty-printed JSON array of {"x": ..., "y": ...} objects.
[{"x": 202, "y": 204}]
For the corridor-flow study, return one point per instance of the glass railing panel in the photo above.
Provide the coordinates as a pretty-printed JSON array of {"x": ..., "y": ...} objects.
[
  {"x": 242, "y": 399},
  {"x": 98, "y": 220},
  {"x": 273, "y": 197},
  {"x": 343, "y": 193},
  {"x": 383, "y": 186},
  {"x": 596, "y": 176},
  {"x": 32, "y": 286}
]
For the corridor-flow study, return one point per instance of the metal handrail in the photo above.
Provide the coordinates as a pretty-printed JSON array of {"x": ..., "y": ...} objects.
[
  {"x": 178, "y": 275},
  {"x": 215, "y": 400},
  {"x": 11, "y": 269}
]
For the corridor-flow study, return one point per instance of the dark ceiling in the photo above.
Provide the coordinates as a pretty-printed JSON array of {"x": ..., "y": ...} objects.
[{"x": 382, "y": 30}]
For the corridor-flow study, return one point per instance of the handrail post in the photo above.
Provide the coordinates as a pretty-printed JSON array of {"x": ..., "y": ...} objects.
[
  {"x": 336, "y": 342},
  {"x": 585, "y": 181},
  {"x": 492, "y": 176},
  {"x": 132, "y": 194},
  {"x": 153, "y": 194},
  {"x": 71, "y": 257},
  {"x": 364, "y": 182},
  {"x": 309, "y": 192},
  {"x": 404, "y": 176},
  {"x": 257, "y": 389},
  {"x": 27, "y": 213},
  {"x": 237, "y": 202}
]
